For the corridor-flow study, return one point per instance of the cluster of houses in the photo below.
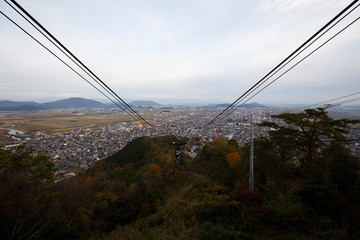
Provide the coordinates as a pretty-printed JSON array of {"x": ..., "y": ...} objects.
[{"x": 81, "y": 148}]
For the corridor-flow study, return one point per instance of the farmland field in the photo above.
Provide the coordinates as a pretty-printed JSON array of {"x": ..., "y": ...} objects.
[{"x": 55, "y": 121}]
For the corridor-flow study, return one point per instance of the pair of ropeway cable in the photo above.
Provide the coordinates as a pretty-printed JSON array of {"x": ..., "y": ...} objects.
[
  {"x": 110, "y": 94},
  {"x": 328, "y": 103},
  {"x": 236, "y": 104}
]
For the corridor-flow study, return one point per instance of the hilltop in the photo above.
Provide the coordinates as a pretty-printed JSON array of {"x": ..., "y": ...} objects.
[{"x": 73, "y": 103}]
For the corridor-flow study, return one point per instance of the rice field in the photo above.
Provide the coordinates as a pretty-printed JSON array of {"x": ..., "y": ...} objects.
[{"x": 50, "y": 122}]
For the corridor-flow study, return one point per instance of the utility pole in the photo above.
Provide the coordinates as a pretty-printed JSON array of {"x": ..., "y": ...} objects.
[{"x": 252, "y": 155}]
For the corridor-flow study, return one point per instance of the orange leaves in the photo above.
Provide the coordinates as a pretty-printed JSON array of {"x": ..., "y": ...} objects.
[{"x": 233, "y": 156}]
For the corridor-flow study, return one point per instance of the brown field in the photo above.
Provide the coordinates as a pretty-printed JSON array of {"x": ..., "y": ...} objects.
[{"x": 50, "y": 122}]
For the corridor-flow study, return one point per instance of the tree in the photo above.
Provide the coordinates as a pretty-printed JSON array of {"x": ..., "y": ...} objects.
[
  {"x": 325, "y": 178},
  {"x": 302, "y": 137},
  {"x": 233, "y": 156},
  {"x": 153, "y": 179},
  {"x": 27, "y": 204},
  {"x": 331, "y": 181},
  {"x": 220, "y": 160},
  {"x": 38, "y": 167}
]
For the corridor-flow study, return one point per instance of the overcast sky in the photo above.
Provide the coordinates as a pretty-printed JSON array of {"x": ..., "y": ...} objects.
[{"x": 207, "y": 51}]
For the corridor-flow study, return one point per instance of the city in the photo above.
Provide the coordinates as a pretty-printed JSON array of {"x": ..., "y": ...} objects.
[{"x": 82, "y": 147}]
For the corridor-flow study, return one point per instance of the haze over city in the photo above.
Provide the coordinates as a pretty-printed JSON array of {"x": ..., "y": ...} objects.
[{"x": 180, "y": 51}]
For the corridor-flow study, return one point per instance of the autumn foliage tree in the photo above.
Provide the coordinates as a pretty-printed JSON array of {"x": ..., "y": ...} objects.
[
  {"x": 233, "y": 155},
  {"x": 219, "y": 160}
]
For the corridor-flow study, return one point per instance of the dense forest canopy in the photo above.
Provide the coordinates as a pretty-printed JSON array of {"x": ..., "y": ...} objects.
[{"x": 306, "y": 179}]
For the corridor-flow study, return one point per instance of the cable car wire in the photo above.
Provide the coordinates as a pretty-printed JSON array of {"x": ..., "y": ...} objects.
[
  {"x": 124, "y": 109},
  {"x": 80, "y": 62},
  {"x": 51, "y": 52},
  {"x": 297, "y": 63},
  {"x": 285, "y": 60},
  {"x": 324, "y": 102},
  {"x": 235, "y": 107}
]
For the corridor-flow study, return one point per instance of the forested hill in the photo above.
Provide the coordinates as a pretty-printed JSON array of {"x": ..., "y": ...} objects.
[
  {"x": 307, "y": 187},
  {"x": 143, "y": 150}
]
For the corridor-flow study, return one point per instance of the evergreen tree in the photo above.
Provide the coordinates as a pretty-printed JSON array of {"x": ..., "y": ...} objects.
[{"x": 303, "y": 136}]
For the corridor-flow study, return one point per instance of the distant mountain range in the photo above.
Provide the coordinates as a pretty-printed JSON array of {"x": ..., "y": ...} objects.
[
  {"x": 67, "y": 104},
  {"x": 249, "y": 105},
  {"x": 87, "y": 103},
  {"x": 60, "y": 104}
]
